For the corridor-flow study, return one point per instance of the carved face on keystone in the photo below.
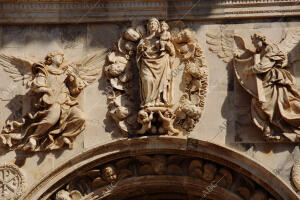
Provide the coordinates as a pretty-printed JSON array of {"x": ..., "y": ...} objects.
[{"x": 109, "y": 173}]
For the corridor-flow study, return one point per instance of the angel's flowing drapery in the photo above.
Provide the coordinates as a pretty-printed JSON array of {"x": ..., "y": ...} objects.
[
  {"x": 57, "y": 114},
  {"x": 155, "y": 75},
  {"x": 281, "y": 110}
]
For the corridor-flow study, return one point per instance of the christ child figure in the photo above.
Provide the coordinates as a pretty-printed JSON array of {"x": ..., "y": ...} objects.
[{"x": 165, "y": 36}]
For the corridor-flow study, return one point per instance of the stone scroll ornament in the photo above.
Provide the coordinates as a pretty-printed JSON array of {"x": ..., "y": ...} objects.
[
  {"x": 54, "y": 117},
  {"x": 262, "y": 69},
  {"x": 143, "y": 76}
]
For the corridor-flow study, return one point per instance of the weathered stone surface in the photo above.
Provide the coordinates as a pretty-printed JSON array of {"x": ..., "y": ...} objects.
[{"x": 221, "y": 146}]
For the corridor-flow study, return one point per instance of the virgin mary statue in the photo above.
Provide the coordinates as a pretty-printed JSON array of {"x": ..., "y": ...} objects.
[{"x": 154, "y": 68}]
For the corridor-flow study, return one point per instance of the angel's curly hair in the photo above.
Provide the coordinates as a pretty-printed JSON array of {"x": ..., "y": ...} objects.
[
  {"x": 259, "y": 36},
  {"x": 49, "y": 57}
]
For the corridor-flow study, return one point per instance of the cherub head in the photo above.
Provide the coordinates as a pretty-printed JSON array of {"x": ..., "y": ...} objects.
[
  {"x": 142, "y": 115},
  {"x": 186, "y": 36},
  {"x": 168, "y": 114},
  {"x": 129, "y": 46},
  {"x": 109, "y": 173},
  {"x": 153, "y": 25},
  {"x": 56, "y": 58},
  {"x": 164, "y": 26},
  {"x": 63, "y": 195},
  {"x": 259, "y": 41}
]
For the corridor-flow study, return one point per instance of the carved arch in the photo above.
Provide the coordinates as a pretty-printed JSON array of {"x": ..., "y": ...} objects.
[{"x": 167, "y": 167}]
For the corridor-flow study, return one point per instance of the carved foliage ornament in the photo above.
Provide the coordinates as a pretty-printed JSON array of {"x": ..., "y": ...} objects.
[
  {"x": 149, "y": 67},
  {"x": 110, "y": 175},
  {"x": 53, "y": 117},
  {"x": 12, "y": 182},
  {"x": 262, "y": 69}
]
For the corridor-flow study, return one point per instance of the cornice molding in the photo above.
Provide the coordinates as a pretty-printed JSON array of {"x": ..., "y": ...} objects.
[{"x": 85, "y": 11}]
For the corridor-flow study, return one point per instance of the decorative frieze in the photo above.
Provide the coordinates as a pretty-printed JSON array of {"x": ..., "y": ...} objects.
[
  {"x": 103, "y": 181},
  {"x": 76, "y": 11}
]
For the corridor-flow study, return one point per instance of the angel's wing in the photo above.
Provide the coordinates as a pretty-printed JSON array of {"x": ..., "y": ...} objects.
[
  {"x": 19, "y": 69},
  {"x": 221, "y": 44},
  {"x": 289, "y": 43},
  {"x": 90, "y": 67},
  {"x": 226, "y": 44}
]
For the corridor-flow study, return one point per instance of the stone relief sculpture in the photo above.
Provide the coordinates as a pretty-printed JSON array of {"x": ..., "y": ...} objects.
[
  {"x": 97, "y": 185},
  {"x": 262, "y": 69},
  {"x": 144, "y": 63},
  {"x": 54, "y": 118}
]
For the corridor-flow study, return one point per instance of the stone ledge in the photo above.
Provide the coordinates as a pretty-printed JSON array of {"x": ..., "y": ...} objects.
[{"x": 89, "y": 11}]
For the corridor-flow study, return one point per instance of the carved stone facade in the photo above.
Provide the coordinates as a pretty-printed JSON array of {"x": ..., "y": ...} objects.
[{"x": 149, "y": 99}]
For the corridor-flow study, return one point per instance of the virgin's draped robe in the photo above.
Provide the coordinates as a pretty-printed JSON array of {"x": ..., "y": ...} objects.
[
  {"x": 281, "y": 110},
  {"x": 155, "y": 74}
]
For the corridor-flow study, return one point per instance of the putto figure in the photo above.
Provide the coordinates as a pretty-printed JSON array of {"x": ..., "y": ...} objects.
[
  {"x": 262, "y": 69},
  {"x": 165, "y": 38},
  {"x": 55, "y": 118},
  {"x": 151, "y": 53}
]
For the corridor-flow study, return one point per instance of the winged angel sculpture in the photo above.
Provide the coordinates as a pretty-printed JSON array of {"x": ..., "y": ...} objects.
[
  {"x": 142, "y": 73},
  {"x": 262, "y": 69},
  {"x": 55, "y": 117}
]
